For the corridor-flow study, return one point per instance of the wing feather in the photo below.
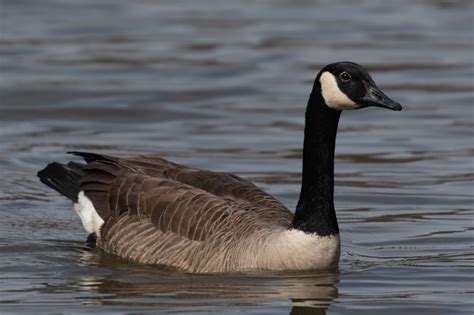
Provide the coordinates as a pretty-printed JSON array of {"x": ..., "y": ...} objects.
[{"x": 151, "y": 205}]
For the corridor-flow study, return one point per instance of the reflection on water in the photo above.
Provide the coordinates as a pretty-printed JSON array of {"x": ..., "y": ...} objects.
[
  {"x": 100, "y": 279},
  {"x": 223, "y": 86}
]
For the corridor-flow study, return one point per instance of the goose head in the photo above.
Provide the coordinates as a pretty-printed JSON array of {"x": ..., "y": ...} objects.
[{"x": 347, "y": 85}]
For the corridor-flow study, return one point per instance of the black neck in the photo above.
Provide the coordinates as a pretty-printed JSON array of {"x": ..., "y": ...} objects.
[{"x": 315, "y": 210}]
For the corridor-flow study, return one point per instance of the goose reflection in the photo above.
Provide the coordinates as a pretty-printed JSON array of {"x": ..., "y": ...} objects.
[{"x": 121, "y": 283}]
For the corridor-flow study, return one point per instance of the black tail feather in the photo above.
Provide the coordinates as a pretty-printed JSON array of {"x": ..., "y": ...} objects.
[
  {"x": 90, "y": 157},
  {"x": 62, "y": 178},
  {"x": 75, "y": 166}
]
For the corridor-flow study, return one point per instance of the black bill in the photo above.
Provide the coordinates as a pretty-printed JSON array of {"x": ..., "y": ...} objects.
[{"x": 375, "y": 97}]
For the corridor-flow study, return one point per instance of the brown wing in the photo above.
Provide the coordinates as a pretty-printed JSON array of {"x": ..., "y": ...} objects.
[
  {"x": 223, "y": 185},
  {"x": 191, "y": 203}
]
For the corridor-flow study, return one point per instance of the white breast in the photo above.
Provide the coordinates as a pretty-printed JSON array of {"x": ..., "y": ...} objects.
[{"x": 294, "y": 250}]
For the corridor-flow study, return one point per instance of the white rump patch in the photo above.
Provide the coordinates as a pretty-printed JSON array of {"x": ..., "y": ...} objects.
[
  {"x": 89, "y": 216},
  {"x": 333, "y": 96}
]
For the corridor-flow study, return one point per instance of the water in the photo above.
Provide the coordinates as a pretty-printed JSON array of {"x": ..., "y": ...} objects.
[{"x": 223, "y": 86}]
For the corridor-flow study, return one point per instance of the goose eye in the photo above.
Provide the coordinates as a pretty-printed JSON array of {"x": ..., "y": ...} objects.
[{"x": 346, "y": 77}]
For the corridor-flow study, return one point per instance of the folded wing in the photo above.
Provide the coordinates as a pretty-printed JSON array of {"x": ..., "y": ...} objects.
[{"x": 154, "y": 209}]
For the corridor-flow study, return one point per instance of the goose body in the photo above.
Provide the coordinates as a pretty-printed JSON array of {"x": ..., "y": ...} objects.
[{"x": 153, "y": 211}]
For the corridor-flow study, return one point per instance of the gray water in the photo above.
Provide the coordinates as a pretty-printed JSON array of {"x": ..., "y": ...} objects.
[{"x": 223, "y": 85}]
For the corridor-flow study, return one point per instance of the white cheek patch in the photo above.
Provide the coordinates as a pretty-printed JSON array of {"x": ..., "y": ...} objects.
[
  {"x": 333, "y": 96},
  {"x": 89, "y": 216}
]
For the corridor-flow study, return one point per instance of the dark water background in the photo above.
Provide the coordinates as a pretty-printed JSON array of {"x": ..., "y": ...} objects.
[{"x": 223, "y": 85}]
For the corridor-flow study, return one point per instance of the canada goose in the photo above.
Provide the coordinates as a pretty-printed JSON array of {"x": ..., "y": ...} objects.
[{"x": 152, "y": 211}]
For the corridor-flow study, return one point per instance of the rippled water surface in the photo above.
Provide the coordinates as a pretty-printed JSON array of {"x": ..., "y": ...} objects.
[{"x": 223, "y": 85}]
